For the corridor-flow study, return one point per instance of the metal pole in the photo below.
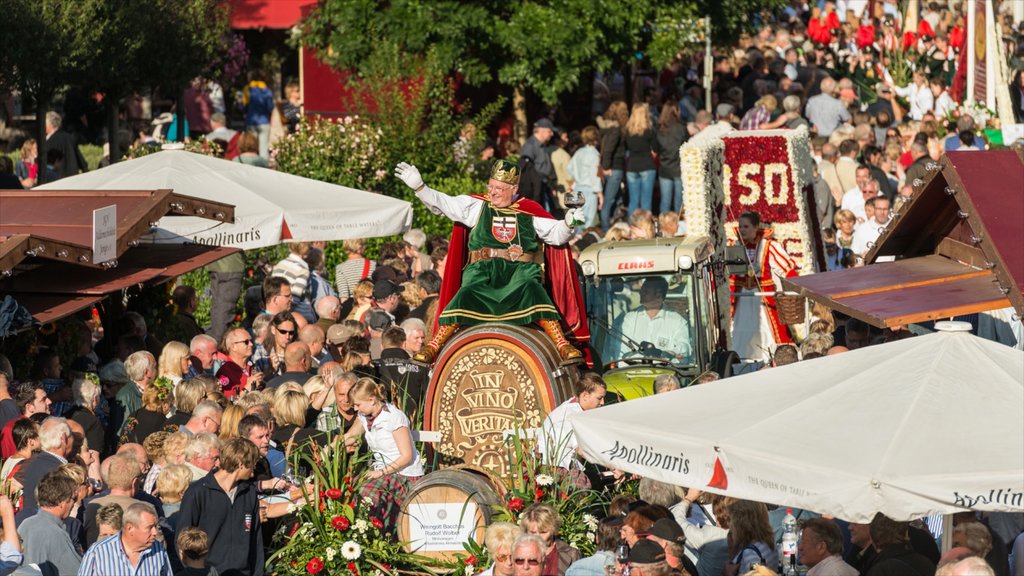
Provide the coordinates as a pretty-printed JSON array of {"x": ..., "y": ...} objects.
[
  {"x": 971, "y": 35},
  {"x": 709, "y": 64}
]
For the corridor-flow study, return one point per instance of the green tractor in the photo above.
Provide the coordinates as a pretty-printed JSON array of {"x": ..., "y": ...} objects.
[{"x": 657, "y": 307}]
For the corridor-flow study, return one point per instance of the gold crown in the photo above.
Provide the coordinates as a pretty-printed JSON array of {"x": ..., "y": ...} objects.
[{"x": 505, "y": 171}]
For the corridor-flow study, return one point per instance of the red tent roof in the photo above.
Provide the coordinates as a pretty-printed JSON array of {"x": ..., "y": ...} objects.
[{"x": 276, "y": 14}]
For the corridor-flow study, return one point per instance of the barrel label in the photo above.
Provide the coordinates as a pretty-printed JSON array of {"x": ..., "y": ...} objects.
[
  {"x": 489, "y": 390},
  {"x": 441, "y": 526}
]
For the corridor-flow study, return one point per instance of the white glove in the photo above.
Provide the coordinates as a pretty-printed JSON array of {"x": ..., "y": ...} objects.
[
  {"x": 574, "y": 217},
  {"x": 410, "y": 175}
]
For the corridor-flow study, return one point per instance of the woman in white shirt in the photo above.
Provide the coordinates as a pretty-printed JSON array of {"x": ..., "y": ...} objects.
[
  {"x": 396, "y": 462},
  {"x": 558, "y": 443},
  {"x": 919, "y": 95}
]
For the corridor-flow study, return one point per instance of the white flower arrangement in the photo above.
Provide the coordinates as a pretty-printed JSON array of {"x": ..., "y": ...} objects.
[
  {"x": 545, "y": 480},
  {"x": 331, "y": 553},
  {"x": 361, "y": 525},
  {"x": 591, "y": 521},
  {"x": 798, "y": 145},
  {"x": 351, "y": 550},
  {"x": 701, "y": 160}
]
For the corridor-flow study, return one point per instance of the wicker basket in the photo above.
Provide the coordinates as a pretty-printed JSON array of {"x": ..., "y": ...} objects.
[{"x": 791, "y": 309}]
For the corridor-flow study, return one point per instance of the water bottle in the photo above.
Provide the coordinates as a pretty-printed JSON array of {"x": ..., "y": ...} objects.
[{"x": 789, "y": 539}]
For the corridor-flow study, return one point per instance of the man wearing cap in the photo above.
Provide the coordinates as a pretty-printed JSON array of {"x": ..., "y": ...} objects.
[
  {"x": 386, "y": 297},
  {"x": 496, "y": 243},
  {"x": 534, "y": 150},
  {"x": 647, "y": 558},
  {"x": 668, "y": 534},
  {"x": 377, "y": 320}
]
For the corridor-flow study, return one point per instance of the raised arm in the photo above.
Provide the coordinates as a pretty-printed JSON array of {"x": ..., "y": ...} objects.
[{"x": 462, "y": 209}]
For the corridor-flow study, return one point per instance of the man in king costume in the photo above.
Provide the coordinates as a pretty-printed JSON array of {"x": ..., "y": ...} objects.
[
  {"x": 495, "y": 262},
  {"x": 756, "y": 328}
]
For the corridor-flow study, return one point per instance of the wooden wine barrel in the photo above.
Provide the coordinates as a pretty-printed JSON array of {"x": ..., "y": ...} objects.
[
  {"x": 489, "y": 379},
  {"x": 444, "y": 508}
]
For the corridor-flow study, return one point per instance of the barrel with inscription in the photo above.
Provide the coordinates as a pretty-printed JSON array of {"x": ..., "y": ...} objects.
[
  {"x": 445, "y": 508},
  {"x": 489, "y": 381}
]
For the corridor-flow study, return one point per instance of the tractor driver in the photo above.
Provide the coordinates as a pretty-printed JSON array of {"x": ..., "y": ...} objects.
[{"x": 651, "y": 322}]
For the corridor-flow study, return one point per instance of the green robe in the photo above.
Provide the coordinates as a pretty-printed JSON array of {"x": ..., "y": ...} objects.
[{"x": 498, "y": 290}]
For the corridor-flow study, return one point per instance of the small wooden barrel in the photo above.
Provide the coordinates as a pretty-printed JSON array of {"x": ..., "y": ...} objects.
[
  {"x": 444, "y": 508},
  {"x": 490, "y": 379}
]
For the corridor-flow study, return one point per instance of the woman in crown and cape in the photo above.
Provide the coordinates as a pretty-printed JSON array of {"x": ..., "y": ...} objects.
[{"x": 495, "y": 259}]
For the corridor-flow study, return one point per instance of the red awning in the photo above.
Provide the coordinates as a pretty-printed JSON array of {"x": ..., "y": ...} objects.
[{"x": 274, "y": 14}]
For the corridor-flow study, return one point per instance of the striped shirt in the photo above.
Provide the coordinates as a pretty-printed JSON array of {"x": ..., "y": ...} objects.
[
  {"x": 350, "y": 272},
  {"x": 295, "y": 270},
  {"x": 108, "y": 558}
]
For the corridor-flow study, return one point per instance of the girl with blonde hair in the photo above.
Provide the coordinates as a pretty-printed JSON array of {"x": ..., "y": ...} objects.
[
  {"x": 641, "y": 143},
  {"x": 388, "y": 433}
]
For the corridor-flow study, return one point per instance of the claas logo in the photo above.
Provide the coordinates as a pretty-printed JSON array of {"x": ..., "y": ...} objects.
[{"x": 636, "y": 265}]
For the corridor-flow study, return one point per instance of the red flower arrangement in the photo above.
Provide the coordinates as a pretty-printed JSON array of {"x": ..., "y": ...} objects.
[
  {"x": 516, "y": 504},
  {"x": 376, "y": 522},
  {"x": 315, "y": 566},
  {"x": 334, "y": 493},
  {"x": 865, "y": 36},
  {"x": 908, "y": 40},
  {"x": 340, "y": 523}
]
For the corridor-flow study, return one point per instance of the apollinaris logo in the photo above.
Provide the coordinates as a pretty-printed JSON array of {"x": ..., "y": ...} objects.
[
  {"x": 1004, "y": 496},
  {"x": 644, "y": 455},
  {"x": 228, "y": 238}
]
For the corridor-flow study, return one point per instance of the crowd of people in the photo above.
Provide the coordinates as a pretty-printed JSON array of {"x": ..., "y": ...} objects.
[
  {"x": 149, "y": 452},
  {"x": 670, "y": 531}
]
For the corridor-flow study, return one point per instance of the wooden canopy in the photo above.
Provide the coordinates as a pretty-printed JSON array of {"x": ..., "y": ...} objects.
[
  {"x": 954, "y": 249},
  {"x": 46, "y": 258},
  {"x": 57, "y": 224}
]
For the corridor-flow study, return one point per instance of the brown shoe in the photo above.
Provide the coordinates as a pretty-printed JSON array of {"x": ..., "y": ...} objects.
[{"x": 568, "y": 352}]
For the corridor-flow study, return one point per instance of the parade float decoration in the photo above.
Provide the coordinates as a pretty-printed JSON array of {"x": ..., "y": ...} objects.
[{"x": 770, "y": 172}]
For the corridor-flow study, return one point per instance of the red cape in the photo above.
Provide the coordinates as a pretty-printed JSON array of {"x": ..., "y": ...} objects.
[{"x": 559, "y": 275}]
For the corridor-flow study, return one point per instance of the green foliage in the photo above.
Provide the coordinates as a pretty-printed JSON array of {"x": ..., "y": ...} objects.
[
  {"x": 544, "y": 46},
  {"x": 675, "y": 29},
  {"x": 45, "y": 41},
  {"x": 407, "y": 115},
  {"x": 535, "y": 482},
  {"x": 334, "y": 526},
  {"x": 731, "y": 17},
  {"x": 548, "y": 47}
]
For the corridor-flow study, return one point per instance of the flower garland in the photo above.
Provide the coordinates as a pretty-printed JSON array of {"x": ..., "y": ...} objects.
[{"x": 701, "y": 160}]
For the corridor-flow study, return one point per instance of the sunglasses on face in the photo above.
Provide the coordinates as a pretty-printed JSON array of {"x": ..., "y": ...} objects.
[
  {"x": 530, "y": 561},
  {"x": 285, "y": 332},
  {"x": 502, "y": 558},
  {"x": 245, "y": 342}
]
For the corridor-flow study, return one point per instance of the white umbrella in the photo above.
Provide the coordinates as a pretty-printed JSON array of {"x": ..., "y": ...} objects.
[
  {"x": 266, "y": 202},
  {"x": 928, "y": 425}
]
